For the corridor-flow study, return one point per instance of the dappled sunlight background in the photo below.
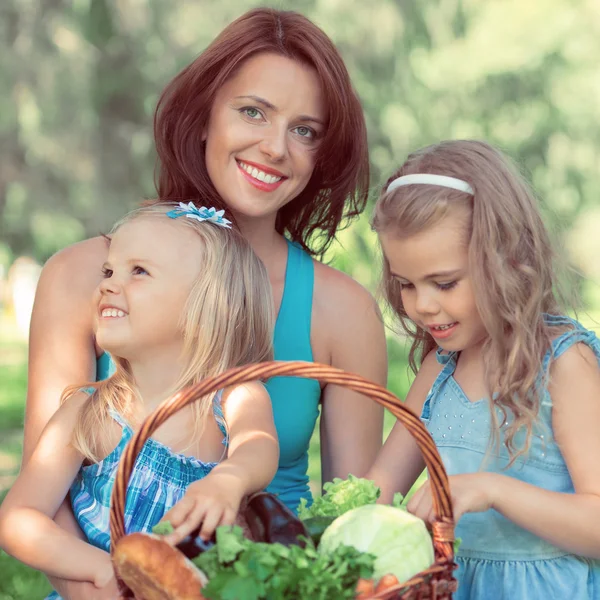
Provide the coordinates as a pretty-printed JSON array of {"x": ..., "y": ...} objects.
[{"x": 80, "y": 79}]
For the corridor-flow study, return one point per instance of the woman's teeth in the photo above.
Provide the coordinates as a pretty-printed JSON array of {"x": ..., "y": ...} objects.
[
  {"x": 257, "y": 174},
  {"x": 112, "y": 312},
  {"x": 443, "y": 327}
]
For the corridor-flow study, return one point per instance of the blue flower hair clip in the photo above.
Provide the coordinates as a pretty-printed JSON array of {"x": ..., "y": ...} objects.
[{"x": 190, "y": 211}]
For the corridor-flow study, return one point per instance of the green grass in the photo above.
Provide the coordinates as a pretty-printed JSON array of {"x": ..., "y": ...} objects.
[{"x": 17, "y": 582}]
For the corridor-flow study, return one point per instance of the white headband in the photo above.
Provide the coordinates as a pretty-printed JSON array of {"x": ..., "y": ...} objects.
[{"x": 429, "y": 179}]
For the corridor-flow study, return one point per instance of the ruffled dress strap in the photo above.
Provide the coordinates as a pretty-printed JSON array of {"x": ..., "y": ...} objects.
[
  {"x": 448, "y": 360},
  {"x": 217, "y": 405},
  {"x": 576, "y": 334}
]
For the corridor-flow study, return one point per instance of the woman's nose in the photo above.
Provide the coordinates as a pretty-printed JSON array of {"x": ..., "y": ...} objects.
[{"x": 274, "y": 144}]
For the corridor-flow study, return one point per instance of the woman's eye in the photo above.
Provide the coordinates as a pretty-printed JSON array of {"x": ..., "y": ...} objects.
[
  {"x": 137, "y": 270},
  {"x": 404, "y": 285},
  {"x": 107, "y": 273},
  {"x": 251, "y": 112},
  {"x": 305, "y": 132},
  {"x": 447, "y": 286}
]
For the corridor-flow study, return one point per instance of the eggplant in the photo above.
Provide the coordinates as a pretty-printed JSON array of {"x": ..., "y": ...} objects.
[
  {"x": 192, "y": 544},
  {"x": 264, "y": 518},
  {"x": 271, "y": 521}
]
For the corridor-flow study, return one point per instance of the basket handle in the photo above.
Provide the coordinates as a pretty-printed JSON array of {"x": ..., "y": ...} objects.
[{"x": 443, "y": 528}]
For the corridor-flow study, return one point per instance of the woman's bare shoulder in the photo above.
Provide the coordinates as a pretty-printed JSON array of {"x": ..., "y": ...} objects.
[
  {"x": 339, "y": 296},
  {"x": 78, "y": 266},
  {"x": 91, "y": 252}
]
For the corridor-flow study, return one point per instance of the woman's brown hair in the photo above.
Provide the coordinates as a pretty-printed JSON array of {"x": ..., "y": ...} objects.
[{"x": 338, "y": 188}]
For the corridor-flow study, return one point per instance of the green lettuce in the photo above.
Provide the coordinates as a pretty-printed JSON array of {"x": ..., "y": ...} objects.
[
  {"x": 341, "y": 495},
  {"x": 399, "y": 541}
]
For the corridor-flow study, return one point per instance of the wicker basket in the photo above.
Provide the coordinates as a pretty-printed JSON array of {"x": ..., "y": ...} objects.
[{"x": 435, "y": 583}]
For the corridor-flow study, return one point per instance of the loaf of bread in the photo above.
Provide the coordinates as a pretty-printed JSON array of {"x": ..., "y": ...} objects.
[{"x": 155, "y": 570}]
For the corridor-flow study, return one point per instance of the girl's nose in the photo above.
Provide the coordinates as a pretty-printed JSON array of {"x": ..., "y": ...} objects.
[
  {"x": 110, "y": 285},
  {"x": 426, "y": 304}
]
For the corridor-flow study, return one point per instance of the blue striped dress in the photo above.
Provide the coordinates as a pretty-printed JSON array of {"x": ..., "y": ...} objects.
[{"x": 159, "y": 480}]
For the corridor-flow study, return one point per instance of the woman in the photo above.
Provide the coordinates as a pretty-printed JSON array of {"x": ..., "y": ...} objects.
[{"x": 264, "y": 123}]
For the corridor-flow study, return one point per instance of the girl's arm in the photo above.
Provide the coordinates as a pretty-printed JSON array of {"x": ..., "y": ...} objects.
[
  {"x": 569, "y": 521},
  {"x": 250, "y": 466},
  {"x": 253, "y": 455},
  {"x": 27, "y": 529},
  {"x": 400, "y": 461},
  {"x": 61, "y": 353},
  {"x": 347, "y": 321}
]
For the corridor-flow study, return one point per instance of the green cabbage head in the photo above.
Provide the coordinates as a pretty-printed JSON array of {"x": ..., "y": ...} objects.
[{"x": 399, "y": 541}]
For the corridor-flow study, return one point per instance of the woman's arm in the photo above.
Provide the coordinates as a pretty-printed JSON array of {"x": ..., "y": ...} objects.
[
  {"x": 347, "y": 322},
  {"x": 400, "y": 461},
  {"x": 27, "y": 529},
  {"x": 62, "y": 353},
  {"x": 61, "y": 340},
  {"x": 251, "y": 464},
  {"x": 569, "y": 521}
]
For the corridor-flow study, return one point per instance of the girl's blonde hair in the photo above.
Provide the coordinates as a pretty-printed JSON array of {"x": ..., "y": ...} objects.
[
  {"x": 511, "y": 265},
  {"x": 228, "y": 322}
]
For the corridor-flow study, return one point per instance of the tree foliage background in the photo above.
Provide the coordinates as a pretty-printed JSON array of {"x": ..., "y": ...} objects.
[{"x": 80, "y": 80}]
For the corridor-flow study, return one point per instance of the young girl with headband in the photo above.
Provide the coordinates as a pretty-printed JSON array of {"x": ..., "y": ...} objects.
[
  {"x": 507, "y": 385},
  {"x": 183, "y": 298}
]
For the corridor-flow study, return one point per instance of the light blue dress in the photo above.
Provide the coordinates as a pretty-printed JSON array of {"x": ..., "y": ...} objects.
[
  {"x": 295, "y": 400},
  {"x": 497, "y": 559},
  {"x": 159, "y": 480}
]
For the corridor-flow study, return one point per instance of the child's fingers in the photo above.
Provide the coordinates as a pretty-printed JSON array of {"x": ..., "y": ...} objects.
[
  {"x": 212, "y": 519},
  {"x": 193, "y": 519},
  {"x": 414, "y": 502},
  {"x": 421, "y": 505},
  {"x": 229, "y": 516},
  {"x": 179, "y": 513}
]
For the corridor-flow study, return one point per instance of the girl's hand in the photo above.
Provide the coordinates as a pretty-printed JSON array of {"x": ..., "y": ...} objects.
[
  {"x": 212, "y": 501},
  {"x": 472, "y": 492}
]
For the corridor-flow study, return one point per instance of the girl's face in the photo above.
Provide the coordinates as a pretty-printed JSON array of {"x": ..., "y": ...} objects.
[
  {"x": 432, "y": 268},
  {"x": 266, "y": 124},
  {"x": 151, "y": 267}
]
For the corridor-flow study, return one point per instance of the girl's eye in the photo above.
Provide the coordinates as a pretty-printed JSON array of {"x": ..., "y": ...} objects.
[
  {"x": 446, "y": 286},
  {"x": 251, "y": 112},
  {"x": 305, "y": 132},
  {"x": 106, "y": 272},
  {"x": 137, "y": 270},
  {"x": 404, "y": 285}
]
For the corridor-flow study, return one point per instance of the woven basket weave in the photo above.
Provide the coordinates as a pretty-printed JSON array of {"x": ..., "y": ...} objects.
[{"x": 435, "y": 583}]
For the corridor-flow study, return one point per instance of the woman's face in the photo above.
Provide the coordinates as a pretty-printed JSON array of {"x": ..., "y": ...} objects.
[{"x": 265, "y": 127}]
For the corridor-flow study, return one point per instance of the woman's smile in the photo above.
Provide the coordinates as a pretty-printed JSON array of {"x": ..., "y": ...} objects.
[{"x": 263, "y": 178}]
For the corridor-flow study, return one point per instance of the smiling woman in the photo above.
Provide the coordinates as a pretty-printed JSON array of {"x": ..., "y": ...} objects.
[
  {"x": 264, "y": 124},
  {"x": 275, "y": 135}
]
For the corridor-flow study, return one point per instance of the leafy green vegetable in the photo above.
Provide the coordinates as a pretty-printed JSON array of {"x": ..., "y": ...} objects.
[
  {"x": 341, "y": 495},
  {"x": 163, "y": 528},
  {"x": 399, "y": 541},
  {"x": 239, "y": 569},
  {"x": 315, "y": 526},
  {"x": 399, "y": 501}
]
